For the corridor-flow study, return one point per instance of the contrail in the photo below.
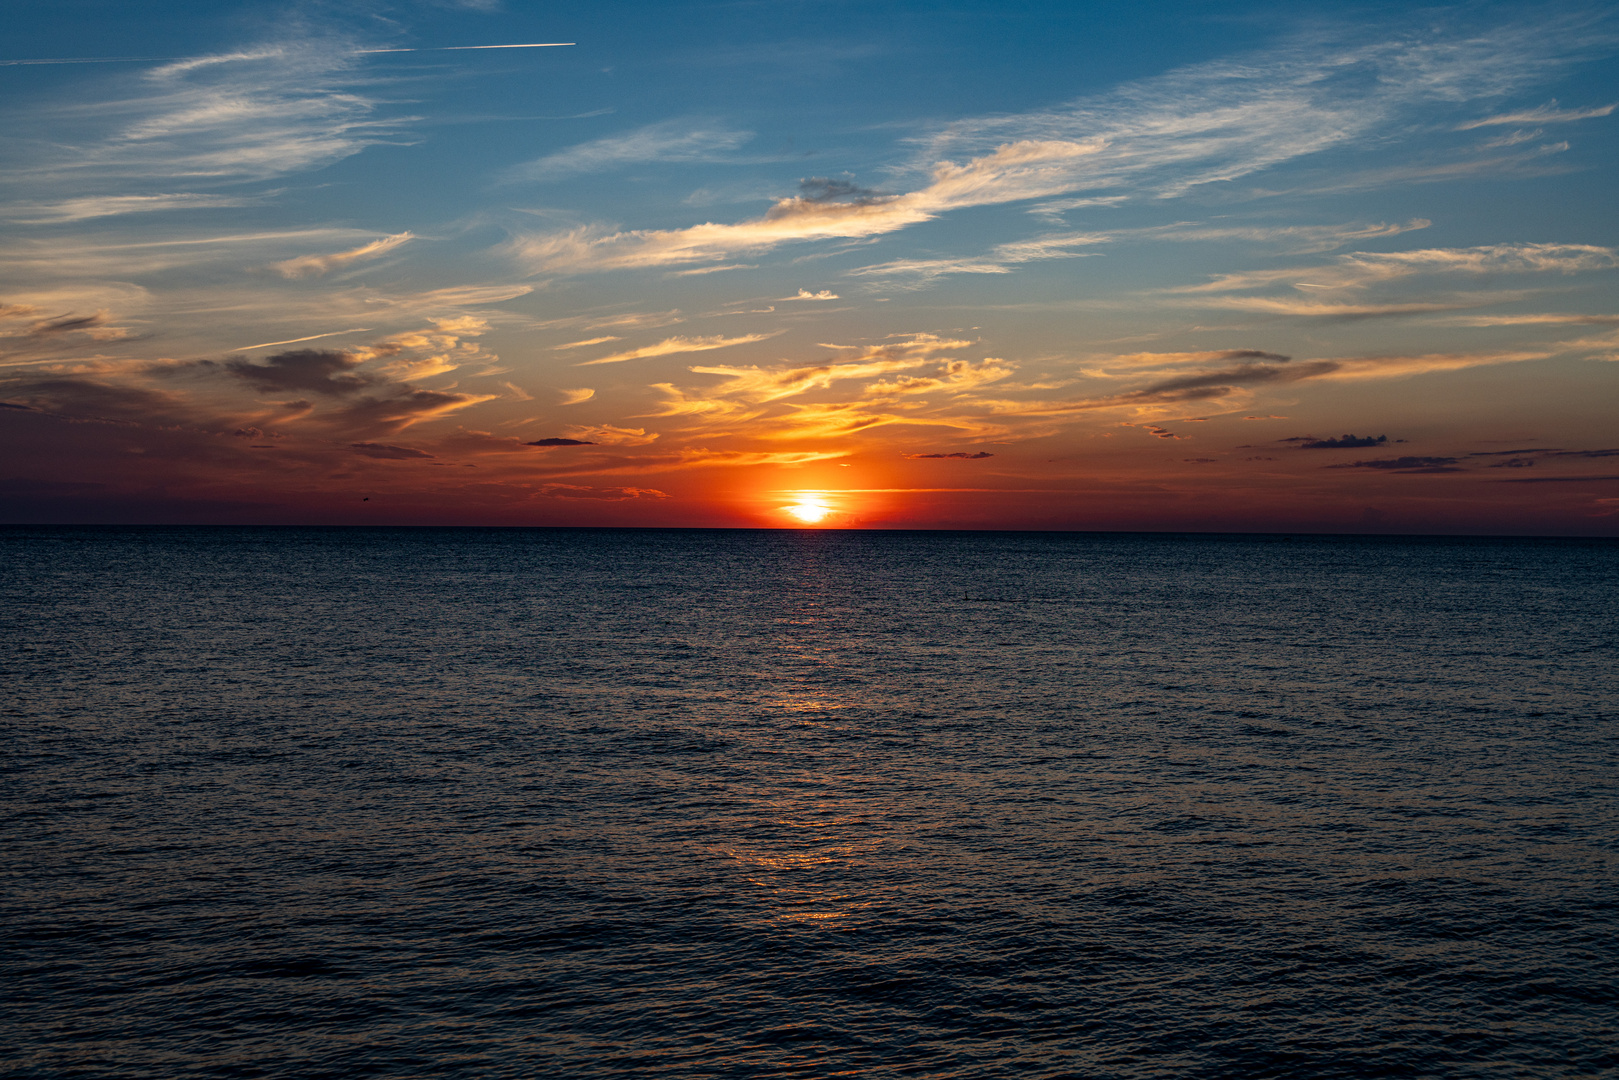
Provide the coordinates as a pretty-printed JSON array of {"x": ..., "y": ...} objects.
[
  {"x": 294, "y": 341},
  {"x": 168, "y": 59},
  {"x": 461, "y": 48}
]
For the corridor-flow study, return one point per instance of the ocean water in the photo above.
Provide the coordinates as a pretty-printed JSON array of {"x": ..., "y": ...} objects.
[{"x": 604, "y": 803}]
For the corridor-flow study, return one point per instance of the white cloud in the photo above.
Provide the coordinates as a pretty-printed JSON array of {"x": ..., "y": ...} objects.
[
  {"x": 251, "y": 114},
  {"x": 1161, "y": 137},
  {"x": 1010, "y": 172},
  {"x": 99, "y": 206},
  {"x": 668, "y": 141},
  {"x": 998, "y": 261},
  {"x": 1546, "y": 114},
  {"x": 1362, "y": 268}
]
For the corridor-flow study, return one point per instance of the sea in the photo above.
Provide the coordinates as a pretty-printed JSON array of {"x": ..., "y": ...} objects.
[{"x": 576, "y": 803}]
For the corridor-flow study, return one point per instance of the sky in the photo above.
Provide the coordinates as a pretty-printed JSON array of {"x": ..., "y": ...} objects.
[{"x": 969, "y": 265}]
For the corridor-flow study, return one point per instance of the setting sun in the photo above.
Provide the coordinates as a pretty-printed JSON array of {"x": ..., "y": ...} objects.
[{"x": 809, "y": 511}]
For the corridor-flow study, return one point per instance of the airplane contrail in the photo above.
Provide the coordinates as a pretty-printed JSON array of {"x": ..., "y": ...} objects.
[
  {"x": 462, "y": 48},
  {"x": 167, "y": 59},
  {"x": 294, "y": 341}
]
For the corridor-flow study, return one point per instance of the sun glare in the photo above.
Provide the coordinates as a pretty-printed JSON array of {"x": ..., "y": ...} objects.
[{"x": 809, "y": 511}]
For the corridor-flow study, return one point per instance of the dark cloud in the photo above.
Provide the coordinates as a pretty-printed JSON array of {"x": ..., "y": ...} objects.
[
  {"x": 66, "y": 324},
  {"x": 820, "y": 189},
  {"x": 86, "y": 399},
  {"x": 1516, "y": 460},
  {"x": 611, "y": 494},
  {"x": 14, "y": 405},
  {"x": 1512, "y": 453},
  {"x": 1216, "y": 384},
  {"x": 1310, "y": 442},
  {"x": 1554, "y": 479},
  {"x": 962, "y": 454},
  {"x": 321, "y": 370},
  {"x": 1199, "y": 460},
  {"x": 404, "y": 407},
  {"x": 1405, "y": 465},
  {"x": 559, "y": 442},
  {"x": 383, "y": 450},
  {"x": 1254, "y": 354}
]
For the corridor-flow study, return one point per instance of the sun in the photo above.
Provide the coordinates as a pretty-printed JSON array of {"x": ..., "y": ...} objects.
[{"x": 809, "y": 511}]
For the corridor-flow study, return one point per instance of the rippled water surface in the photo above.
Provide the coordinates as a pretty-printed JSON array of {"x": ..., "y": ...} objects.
[{"x": 514, "y": 803}]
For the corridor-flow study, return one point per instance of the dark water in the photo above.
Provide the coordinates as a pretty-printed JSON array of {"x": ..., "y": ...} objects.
[{"x": 492, "y": 803}]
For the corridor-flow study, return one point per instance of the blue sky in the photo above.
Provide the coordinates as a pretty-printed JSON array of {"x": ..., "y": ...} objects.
[{"x": 1098, "y": 266}]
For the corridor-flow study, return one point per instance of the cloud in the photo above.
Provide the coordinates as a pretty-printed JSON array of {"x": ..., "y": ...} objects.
[
  {"x": 1404, "y": 465},
  {"x": 1554, "y": 479},
  {"x": 383, "y": 450},
  {"x": 958, "y": 454},
  {"x": 998, "y": 261},
  {"x": 574, "y": 397},
  {"x": 668, "y": 141},
  {"x": 805, "y": 294},
  {"x": 1298, "y": 238},
  {"x": 99, "y": 206},
  {"x": 1010, "y": 172},
  {"x": 609, "y": 435},
  {"x": 1310, "y": 442},
  {"x": 252, "y": 114},
  {"x": 316, "y": 265},
  {"x": 586, "y": 341},
  {"x": 1171, "y": 359},
  {"x": 1511, "y": 453},
  {"x": 611, "y": 494},
  {"x": 1228, "y": 382},
  {"x": 1547, "y": 451},
  {"x": 755, "y": 385},
  {"x": 375, "y": 398},
  {"x": 1163, "y": 433},
  {"x": 670, "y": 346},
  {"x": 85, "y": 399},
  {"x": 1362, "y": 268},
  {"x": 321, "y": 371},
  {"x": 1535, "y": 320},
  {"x": 559, "y": 442},
  {"x": 1545, "y": 114}
]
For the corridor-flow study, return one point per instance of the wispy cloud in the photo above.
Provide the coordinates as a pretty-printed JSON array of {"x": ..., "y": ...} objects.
[
  {"x": 252, "y": 114},
  {"x": 586, "y": 341},
  {"x": 1010, "y": 172},
  {"x": 671, "y": 140},
  {"x": 100, "y": 206},
  {"x": 1545, "y": 319},
  {"x": 672, "y": 345},
  {"x": 316, "y": 265},
  {"x": 1545, "y": 114},
  {"x": 1159, "y": 138},
  {"x": 999, "y": 260},
  {"x": 1362, "y": 268},
  {"x": 1255, "y": 369}
]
